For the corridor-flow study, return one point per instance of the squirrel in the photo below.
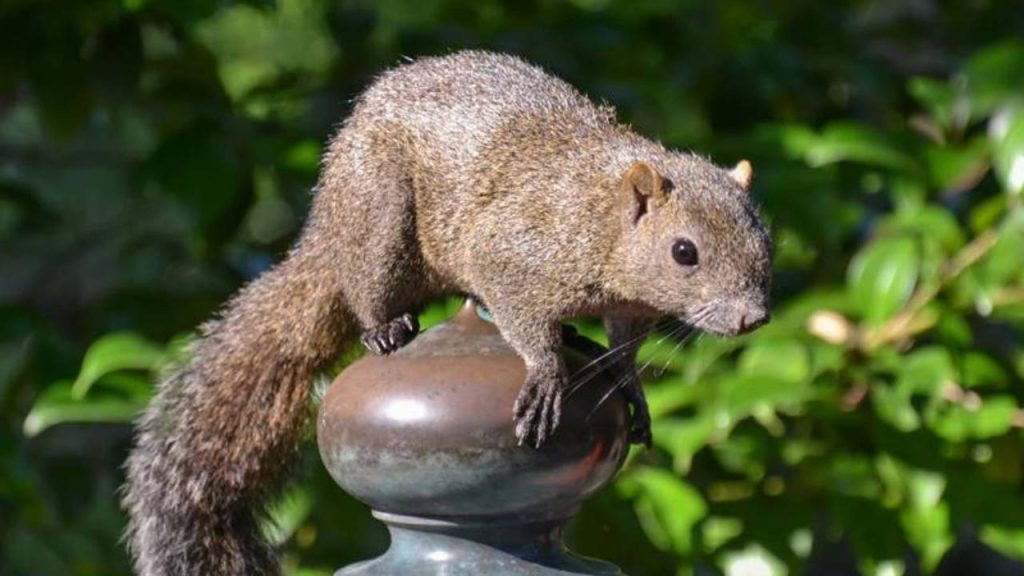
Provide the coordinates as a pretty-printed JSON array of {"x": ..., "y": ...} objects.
[{"x": 473, "y": 173}]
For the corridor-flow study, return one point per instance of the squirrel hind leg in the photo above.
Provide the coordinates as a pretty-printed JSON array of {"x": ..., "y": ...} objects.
[
  {"x": 386, "y": 277},
  {"x": 388, "y": 337}
]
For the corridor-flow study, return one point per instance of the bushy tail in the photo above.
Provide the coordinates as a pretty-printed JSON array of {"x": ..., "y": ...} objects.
[{"x": 223, "y": 429}]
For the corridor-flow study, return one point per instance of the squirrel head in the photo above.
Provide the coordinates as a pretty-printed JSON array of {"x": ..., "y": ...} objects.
[{"x": 692, "y": 244}]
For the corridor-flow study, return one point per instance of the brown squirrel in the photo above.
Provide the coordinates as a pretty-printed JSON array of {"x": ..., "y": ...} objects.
[{"x": 473, "y": 173}]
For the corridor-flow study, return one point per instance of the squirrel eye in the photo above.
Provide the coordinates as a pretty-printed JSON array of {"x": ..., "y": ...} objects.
[{"x": 684, "y": 252}]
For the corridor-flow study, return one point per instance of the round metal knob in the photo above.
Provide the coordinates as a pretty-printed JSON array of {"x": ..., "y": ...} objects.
[{"x": 425, "y": 437}]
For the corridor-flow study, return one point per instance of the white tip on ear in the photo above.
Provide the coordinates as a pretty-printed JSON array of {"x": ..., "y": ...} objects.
[{"x": 743, "y": 173}]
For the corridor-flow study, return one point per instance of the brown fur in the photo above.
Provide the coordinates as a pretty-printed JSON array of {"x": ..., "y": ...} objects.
[{"x": 474, "y": 173}]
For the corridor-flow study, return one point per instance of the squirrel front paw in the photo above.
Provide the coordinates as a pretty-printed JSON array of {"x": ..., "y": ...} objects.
[
  {"x": 538, "y": 409},
  {"x": 390, "y": 336}
]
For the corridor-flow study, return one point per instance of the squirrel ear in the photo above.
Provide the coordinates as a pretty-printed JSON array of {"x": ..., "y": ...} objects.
[
  {"x": 743, "y": 174},
  {"x": 645, "y": 180},
  {"x": 640, "y": 185}
]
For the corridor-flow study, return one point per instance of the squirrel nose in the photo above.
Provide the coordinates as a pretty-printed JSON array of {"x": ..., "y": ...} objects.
[{"x": 754, "y": 319}]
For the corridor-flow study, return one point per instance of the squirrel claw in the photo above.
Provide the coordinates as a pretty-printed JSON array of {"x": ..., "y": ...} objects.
[
  {"x": 386, "y": 338},
  {"x": 640, "y": 433},
  {"x": 537, "y": 412},
  {"x": 640, "y": 427}
]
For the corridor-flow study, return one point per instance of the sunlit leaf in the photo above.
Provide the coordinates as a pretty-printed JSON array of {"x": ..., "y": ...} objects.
[
  {"x": 785, "y": 360},
  {"x": 669, "y": 394},
  {"x": 118, "y": 351},
  {"x": 257, "y": 47},
  {"x": 1004, "y": 264},
  {"x": 717, "y": 531},
  {"x": 882, "y": 277},
  {"x": 683, "y": 437},
  {"x": 1009, "y": 156},
  {"x": 1008, "y": 541},
  {"x": 57, "y": 405},
  {"x": 931, "y": 224},
  {"x": 753, "y": 560},
  {"x": 924, "y": 371},
  {"x": 928, "y": 530},
  {"x": 957, "y": 422},
  {"x": 741, "y": 394},
  {"x": 843, "y": 141},
  {"x": 441, "y": 311},
  {"x": 304, "y": 156},
  {"x": 979, "y": 369},
  {"x": 895, "y": 408},
  {"x": 958, "y": 167}
]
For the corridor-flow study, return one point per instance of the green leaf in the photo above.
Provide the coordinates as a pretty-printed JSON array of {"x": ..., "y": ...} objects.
[
  {"x": 287, "y": 514},
  {"x": 931, "y": 223},
  {"x": 926, "y": 519},
  {"x": 667, "y": 395},
  {"x": 439, "y": 311},
  {"x": 994, "y": 417},
  {"x": 717, "y": 531},
  {"x": 882, "y": 276},
  {"x": 975, "y": 498},
  {"x": 987, "y": 213},
  {"x": 978, "y": 369},
  {"x": 871, "y": 527},
  {"x": 683, "y": 437},
  {"x": 740, "y": 395},
  {"x": 1009, "y": 156},
  {"x": 782, "y": 359},
  {"x": 953, "y": 330},
  {"x": 310, "y": 572},
  {"x": 754, "y": 559},
  {"x": 256, "y": 47},
  {"x": 304, "y": 156},
  {"x": 937, "y": 96},
  {"x": 129, "y": 385},
  {"x": 957, "y": 167},
  {"x": 667, "y": 507},
  {"x": 852, "y": 475},
  {"x": 924, "y": 371},
  {"x": 845, "y": 141},
  {"x": 57, "y": 405},
  {"x": 895, "y": 408},
  {"x": 1008, "y": 541},
  {"x": 1000, "y": 268},
  {"x": 994, "y": 75},
  {"x": 118, "y": 351}
]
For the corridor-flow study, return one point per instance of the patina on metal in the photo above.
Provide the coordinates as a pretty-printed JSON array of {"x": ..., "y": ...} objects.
[{"x": 425, "y": 438}]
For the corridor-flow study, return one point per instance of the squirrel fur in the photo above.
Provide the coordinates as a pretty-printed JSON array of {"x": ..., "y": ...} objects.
[{"x": 473, "y": 173}]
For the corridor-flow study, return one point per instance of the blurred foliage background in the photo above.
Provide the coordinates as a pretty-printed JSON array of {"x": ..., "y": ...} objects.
[{"x": 156, "y": 154}]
